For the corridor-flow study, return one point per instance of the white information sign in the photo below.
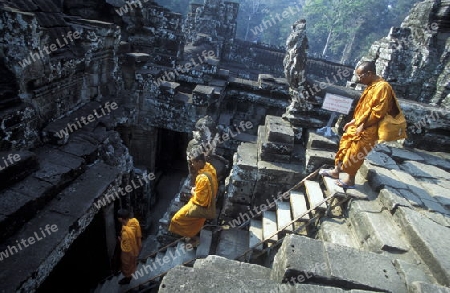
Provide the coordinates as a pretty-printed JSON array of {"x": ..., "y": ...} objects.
[{"x": 337, "y": 103}]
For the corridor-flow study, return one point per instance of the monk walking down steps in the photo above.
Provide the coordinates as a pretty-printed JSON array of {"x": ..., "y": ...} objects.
[
  {"x": 361, "y": 133},
  {"x": 189, "y": 220},
  {"x": 130, "y": 240}
]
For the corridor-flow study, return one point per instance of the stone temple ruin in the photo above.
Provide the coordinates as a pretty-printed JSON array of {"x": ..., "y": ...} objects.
[{"x": 101, "y": 101}]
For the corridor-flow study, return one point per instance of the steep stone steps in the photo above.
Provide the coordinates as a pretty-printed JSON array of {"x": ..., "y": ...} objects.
[
  {"x": 69, "y": 213},
  {"x": 152, "y": 268},
  {"x": 284, "y": 217},
  {"x": 270, "y": 226}
]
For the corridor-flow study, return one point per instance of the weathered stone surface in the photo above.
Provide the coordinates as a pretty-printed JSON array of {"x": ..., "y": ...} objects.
[
  {"x": 401, "y": 155},
  {"x": 300, "y": 256},
  {"x": 193, "y": 280},
  {"x": 316, "y": 158},
  {"x": 16, "y": 165},
  {"x": 357, "y": 269},
  {"x": 438, "y": 192},
  {"x": 381, "y": 159},
  {"x": 422, "y": 287},
  {"x": 278, "y": 130},
  {"x": 391, "y": 199},
  {"x": 421, "y": 170},
  {"x": 380, "y": 178},
  {"x": 411, "y": 273},
  {"x": 237, "y": 269},
  {"x": 320, "y": 142},
  {"x": 372, "y": 233},
  {"x": 281, "y": 173},
  {"x": 337, "y": 231},
  {"x": 429, "y": 240},
  {"x": 232, "y": 243}
]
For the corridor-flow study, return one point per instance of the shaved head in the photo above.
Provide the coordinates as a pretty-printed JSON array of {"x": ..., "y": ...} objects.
[{"x": 366, "y": 66}]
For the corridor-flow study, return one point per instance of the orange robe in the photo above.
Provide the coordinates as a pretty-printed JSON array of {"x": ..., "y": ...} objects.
[
  {"x": 129, "y": 244},
  {"x": 373, "y": 105},
  {"x": 203, "y": 195}
]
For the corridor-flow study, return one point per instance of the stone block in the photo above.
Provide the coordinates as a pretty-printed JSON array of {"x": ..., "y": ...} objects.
[
  {"x": 421, "y": 287},
  {"x": 320, "y": 142},
  {"x": 316, "y": 158},
  {"x": 380, "y": 159},
  {"x": 232, "y": 211},
  {"x": 300, "y": 258},
  {"x": 438, "y": 192},
  {"x": 353, "y": 268},
  {"x": 380, "y": 178},
  {"x": 15, "y": 166},
  {"x": 271, "y": 157},
  {"x": 421, "y": 170},
  {"x": 219, "y": 264},
  {"x": 233, "y": 195},
  {"x": 371, "y": 230},
  {"x": 337, "y": 231},
  {"x": 411, "y": 272},
  {"x": 390, "y": 199},
  {"x": 184, "y": 279},
  {"x": 278, "y": 130},
  {"x": 265, "y": 193},
  {"x": 281, "y": 173},
  {"x": 232, "y": 243},
  {"x": 429, "y": 239},
  {"x": 266, "y": 146},
  {"x": 205, "y": 244},
  {"x": 401, "y": 155},
  {"x": 412, "y": 198},
  {"x": 245, "y": 161}
]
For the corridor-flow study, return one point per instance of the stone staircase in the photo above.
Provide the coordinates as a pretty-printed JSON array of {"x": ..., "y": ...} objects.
[
  {"x": 293, "y": 212},
  {"x": 152, "y": 268},
  {"x": 55, "y": 186}
]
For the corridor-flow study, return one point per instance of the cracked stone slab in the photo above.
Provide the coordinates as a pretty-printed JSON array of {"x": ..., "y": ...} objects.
[
  {"x": 321, "y": 142},
  {"x": 381, "y": 159},
  {"x": 429, "y": 239},
  {"x": 421, "y": 287},
  {"x": 405, "y": 155},
  {"x": 299, "y": 255},
  {"x": 380, "y": 178},
  {"x": 439, "y": 193},
  {"x": 421, "y": 170},
  {"x": 356, "y": 269},
  {"x": 371, "y": 230},
  {"x": 337, "y": 231},
  {"x": 194, "y": 280},
  {"x": 411, "y": 273},
  {"x": 390, "y": 199},
  {"x": 220, "y": 264}
]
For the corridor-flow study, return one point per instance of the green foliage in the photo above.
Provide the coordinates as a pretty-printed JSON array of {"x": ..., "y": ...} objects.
[{"x": 340, "y": 30}]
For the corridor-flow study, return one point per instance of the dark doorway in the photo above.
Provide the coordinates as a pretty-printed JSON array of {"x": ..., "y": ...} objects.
[
  {"x": 171, "y": 150},
  {"x": 83, "y": 265}
]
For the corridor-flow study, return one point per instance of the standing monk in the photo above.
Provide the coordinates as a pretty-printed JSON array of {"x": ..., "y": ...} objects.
[
  {"x": 130, "y": 244},
  {"x": 203, "y": 194},
  {"x": 361, "y": 133}
]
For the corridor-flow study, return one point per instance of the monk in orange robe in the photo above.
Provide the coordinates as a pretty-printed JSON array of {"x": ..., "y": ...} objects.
[
  {"x": 361, "y": 133},
  {"x": 202, "y": 194},
  {"x": 130, "y": 244}
]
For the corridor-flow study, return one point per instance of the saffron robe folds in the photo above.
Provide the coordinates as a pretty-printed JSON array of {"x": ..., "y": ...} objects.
[
  {"x": 202, "y": 196},
  {"x": 373, "y": 105},
  {"x": 129, "y": 245}
]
